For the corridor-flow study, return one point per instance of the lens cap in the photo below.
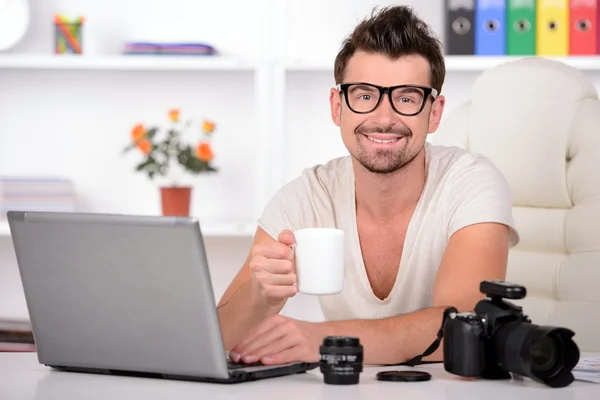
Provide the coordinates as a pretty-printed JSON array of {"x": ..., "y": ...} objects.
[{"x": 403, "y": 376}]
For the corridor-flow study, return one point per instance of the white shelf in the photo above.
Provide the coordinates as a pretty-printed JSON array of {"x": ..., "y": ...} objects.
[
  {"x": 480, "y": 63},
  {"x": 458, "y": 63},
  {"x": 209, "y": 229},
  {"x": 125, "y": 62}
]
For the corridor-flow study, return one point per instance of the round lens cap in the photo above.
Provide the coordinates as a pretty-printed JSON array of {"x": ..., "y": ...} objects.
[{"x": 403, "y": 376}]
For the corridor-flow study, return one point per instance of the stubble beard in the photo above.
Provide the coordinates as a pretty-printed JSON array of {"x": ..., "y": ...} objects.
[{"x": 383, "y": 161}]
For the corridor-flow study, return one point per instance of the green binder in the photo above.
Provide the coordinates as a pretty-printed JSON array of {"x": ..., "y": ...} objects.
[{"x": 521, "y": 27}]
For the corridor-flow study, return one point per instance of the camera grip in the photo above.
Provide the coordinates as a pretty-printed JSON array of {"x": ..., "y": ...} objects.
[{"x": 464, "y": 352}]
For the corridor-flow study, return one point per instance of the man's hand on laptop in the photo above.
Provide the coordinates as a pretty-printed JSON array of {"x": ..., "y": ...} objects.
[
  {"x": 280, "y": 340},
  {"x": 273, "y": 270}
]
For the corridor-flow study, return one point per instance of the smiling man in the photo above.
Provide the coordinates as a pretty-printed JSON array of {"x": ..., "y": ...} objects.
[{"x": 424, "y": 224}]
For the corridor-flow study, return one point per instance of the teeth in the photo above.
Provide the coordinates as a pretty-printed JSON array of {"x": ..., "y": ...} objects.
[{"x": 382, "y": 141}]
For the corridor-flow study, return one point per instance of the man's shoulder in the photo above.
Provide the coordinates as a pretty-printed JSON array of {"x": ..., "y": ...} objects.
[
  {"x": 452, "y": 161},
  {"x": 322, "y": 177},
  {"x": 309, "y": 199}
]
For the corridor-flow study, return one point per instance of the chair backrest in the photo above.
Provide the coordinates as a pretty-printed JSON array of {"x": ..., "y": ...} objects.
[{"x": 538, "y": 120}]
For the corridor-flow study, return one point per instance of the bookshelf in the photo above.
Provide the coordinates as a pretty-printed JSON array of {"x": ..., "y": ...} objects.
[
  {"x": 223, "y": 64},
  {"x": 268, "y": 97}
]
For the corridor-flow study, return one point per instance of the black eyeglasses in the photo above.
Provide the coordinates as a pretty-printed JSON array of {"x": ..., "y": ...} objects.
[{"x": 407, "y": 100}]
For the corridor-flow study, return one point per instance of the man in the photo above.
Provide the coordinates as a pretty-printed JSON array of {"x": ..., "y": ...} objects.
[{"x": 424, "y": 224}]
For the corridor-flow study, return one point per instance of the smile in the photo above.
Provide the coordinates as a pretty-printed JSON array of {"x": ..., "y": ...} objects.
[{"x": 381, "y": 140}]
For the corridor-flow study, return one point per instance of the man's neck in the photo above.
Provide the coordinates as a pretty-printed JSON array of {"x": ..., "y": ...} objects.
[{"x": 383, "y": 197}]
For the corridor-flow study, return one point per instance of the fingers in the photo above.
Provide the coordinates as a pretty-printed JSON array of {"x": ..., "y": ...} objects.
[
  {"x": 274, "y": 336},
  {"x": 267, "y": 325},
  {"x": 255, "y": 349},
  {"x": 286, "y": 237},
  {"x": 291, "y": 354},
  {"x": 272, "y": 266},
  {"x": 288, "y": 344},
  {"x": 279, "y": 292},
  {"x": 274, "y": 251}
]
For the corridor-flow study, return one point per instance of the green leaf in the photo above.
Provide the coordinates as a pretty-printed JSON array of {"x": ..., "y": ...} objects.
[
  {"x": 151, "y": 132},
  {"x": 142, "y": 165},
  {"x": 128, "y": 148}
]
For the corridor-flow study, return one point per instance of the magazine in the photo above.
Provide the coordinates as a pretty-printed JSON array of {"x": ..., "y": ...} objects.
[{"x": 588, "y": 369}]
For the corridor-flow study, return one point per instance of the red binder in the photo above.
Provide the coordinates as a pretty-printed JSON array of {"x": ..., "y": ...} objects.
[{"x": 583, "y": 31}]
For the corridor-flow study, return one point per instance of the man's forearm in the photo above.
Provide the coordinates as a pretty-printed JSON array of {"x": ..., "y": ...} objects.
[
  {"x": 396, "y": 339},
  {"x": 242, "y": 312}
]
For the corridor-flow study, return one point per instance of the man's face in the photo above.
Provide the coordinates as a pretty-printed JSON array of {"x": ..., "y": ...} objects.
[{"x": 383, "y": 140}]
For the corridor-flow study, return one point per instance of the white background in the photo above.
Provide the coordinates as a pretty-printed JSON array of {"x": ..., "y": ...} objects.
[{"x": 272, "y": 121}]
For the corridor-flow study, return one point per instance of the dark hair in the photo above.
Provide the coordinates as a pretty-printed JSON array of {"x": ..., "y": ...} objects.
[{"x": 394, "y": 31}]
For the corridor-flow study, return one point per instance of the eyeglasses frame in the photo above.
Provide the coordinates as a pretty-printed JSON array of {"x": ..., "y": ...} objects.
[{"x": 428, "y": 92}]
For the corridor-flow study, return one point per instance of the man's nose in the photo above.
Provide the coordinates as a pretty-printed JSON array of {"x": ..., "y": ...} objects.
[{"x": 384, "y": 113}]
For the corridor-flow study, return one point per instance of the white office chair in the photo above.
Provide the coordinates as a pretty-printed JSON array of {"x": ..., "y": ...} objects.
[{"x": 538, "y": 120}]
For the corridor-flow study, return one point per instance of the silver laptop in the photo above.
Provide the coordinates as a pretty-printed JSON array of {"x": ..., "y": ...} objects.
[{"x": 125, "y": 295}]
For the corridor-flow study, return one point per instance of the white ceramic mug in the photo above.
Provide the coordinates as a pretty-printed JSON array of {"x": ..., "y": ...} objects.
[{"x": 319, "y": 256}]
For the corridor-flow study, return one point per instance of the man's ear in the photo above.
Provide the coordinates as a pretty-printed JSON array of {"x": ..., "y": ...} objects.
[
  {"x": 435, "y": 115},
  {"x": 336, "y": 106}
]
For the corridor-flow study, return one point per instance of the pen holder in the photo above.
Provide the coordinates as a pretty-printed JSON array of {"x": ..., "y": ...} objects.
[{"x": 67, "y": 37}]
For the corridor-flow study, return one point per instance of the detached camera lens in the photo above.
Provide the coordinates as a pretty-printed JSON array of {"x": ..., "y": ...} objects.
[{"x": 341, "y": 360}]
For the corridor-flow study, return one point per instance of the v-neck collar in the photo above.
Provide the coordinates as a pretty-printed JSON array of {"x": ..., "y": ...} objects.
[{"x": 408, "y": 238}]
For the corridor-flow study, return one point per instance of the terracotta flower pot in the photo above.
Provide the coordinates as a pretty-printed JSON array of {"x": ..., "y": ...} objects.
[{"x": 176, "y": 200}]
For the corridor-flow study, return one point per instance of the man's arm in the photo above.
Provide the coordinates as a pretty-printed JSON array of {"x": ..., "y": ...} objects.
[
  {"x": 246, "y": 303},
  {"x": 474, "y": 253}
]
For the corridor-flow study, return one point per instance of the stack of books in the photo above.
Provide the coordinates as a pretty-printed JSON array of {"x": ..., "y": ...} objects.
[
  {"x": 168, "y": 49},
  {"x": 16, "y": 335},
  {"x": 30, "y": 193}
]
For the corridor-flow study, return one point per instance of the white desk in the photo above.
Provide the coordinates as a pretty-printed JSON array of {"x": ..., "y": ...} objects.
[{"x": 22, "y": 378}]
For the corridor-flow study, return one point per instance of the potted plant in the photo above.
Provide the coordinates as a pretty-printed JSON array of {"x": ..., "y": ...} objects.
[{"x": 164, "y": 150}]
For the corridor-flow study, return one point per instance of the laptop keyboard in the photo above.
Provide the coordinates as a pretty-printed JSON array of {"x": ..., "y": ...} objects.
[{"x": 234, "y": 365}]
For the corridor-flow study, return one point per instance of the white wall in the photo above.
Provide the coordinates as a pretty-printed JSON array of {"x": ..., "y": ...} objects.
[{"x": 75, "y": 123}]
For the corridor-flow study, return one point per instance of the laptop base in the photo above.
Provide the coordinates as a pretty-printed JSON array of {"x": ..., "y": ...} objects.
[{"x": 236, "y": 376}]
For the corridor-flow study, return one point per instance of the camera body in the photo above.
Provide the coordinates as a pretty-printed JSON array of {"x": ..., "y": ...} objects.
[{"x": 498, "y": 339}]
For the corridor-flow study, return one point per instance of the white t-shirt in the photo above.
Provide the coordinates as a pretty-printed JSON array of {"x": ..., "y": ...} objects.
[{"x": 461, "y": 189}]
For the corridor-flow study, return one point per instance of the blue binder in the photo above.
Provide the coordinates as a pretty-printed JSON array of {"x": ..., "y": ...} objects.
[{"x": 490, "y": 27}]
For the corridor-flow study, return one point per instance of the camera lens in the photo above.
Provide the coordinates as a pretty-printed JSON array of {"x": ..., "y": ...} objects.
[
  {"x": 341, "y": 360},
  {"x": 542, "y": 353}
]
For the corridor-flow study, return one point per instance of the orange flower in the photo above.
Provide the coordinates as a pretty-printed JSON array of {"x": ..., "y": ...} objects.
[
  {"x": 138, "y": 132},
  {"x": 208, "y": 127},
  {"x": 204, "y": 152},
  {"x": 145, "y": 146},
  {"x": 174, "y": 115}
]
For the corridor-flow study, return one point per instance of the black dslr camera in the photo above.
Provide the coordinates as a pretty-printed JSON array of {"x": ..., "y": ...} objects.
[{"x": 498, "y": 339}]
